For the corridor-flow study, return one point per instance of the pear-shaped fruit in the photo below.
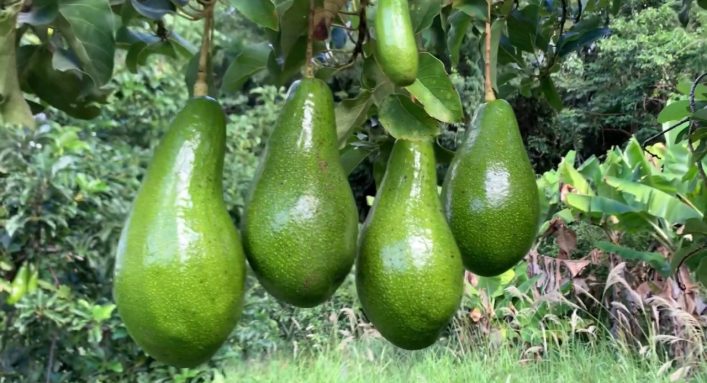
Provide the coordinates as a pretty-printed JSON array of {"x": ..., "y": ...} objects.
[
  {"x": 300, "y": 223},
  {"x": 179, "y": 274},
  {"x": 396, "y": 48},
  {"x": 490, "y": 196},
  {"x": 409, "y": 273}
]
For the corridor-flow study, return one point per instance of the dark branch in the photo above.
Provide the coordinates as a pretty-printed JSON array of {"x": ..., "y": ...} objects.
[{"x": 693, "y": 124}]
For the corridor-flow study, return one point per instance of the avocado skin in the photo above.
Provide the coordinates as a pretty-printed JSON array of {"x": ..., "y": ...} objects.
[
  {"x": 490, "y": 195},
  {"x": 396, "y": 48},
  {"x": 301, "y": 223},
  {"x": 180, "y": 267},
  {"x": 409, "y": 273}
]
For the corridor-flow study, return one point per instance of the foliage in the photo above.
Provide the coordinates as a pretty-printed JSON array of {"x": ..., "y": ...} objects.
[{"x": 614, "y": 88}]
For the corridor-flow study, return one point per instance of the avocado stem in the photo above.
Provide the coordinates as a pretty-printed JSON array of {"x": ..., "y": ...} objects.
[
  {"x": 201, "y": 85},
  {"x": 490, "y": 96},
  {"x": 309, "y": 65}
]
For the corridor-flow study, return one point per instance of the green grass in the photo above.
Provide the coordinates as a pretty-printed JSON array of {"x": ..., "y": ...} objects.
[{"x": 376, "y": 361}]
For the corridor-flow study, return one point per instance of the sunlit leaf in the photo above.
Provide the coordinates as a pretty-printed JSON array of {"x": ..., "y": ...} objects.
[{"x": 435, "y": 90}]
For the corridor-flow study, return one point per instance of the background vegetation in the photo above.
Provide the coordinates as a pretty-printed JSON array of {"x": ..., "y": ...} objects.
[{"x": 591, "y": 290}]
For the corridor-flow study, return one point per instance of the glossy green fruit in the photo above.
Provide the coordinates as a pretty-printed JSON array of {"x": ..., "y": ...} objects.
[
  {"x": 300, "y": 223},
  {"x": 490, "y": 196},
  {"x": 409, "y": 273},
  {"x": 396, "y": 48},
  {"x": 179, "y": 274}
]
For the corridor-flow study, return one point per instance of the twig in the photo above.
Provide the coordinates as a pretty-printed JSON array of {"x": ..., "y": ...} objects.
[
  {"x": 563, "y": 20},
  {"x": 201, "y": 86},
  {"x": 682, "y": 261},
  {"x": 309, "y": 65},
  {"x": 691, "y": 128},
  {"x": 50, "y": 361},
  {"x": 653, "y": 137},
  {"x": 362, "y": 32},
  {"x": 579, "y": 11},
  {"x": 490, "y": 96}
]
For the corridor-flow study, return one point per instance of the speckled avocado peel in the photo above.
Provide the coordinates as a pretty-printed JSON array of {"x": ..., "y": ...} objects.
[
  {"x": 490, "y": 195},
  {"x": 301, "y": 223},
  {"x": 180, "y": 267},
  {"x": 409, "y": 273},
  {"x": 396, "y": 47}
]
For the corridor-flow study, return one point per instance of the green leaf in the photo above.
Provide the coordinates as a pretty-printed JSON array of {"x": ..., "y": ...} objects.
[
  {"x": 351, "y": 114},
  {"x": 656, "y": 260},
  {"x": 376, "y": 81},
  {"x": 675, "y": 111},
  {"x": 423, "y": 12},
  {"x": 293, "y": 26},
  {"x": 248, "y": 62},
  {"x": 153, "y": 9},
  {"x": 496, "y": 32},
  {"x": 571, "y": 41},
  {"x": 352, "y": 156},
  {"x": 551, "y": 95},
  {"x": 636, "y": 159},
  {"x": 597, "y": 205},
  {"x": 700, "y": 115},
  {"x": 405, "y": 120},
  {"x": 523, "y": 29},
  {"x": 654, "y": 202},
  {"x": 71, "y": 91},
  {"x": 695, "y": 226},
  {"x": 89, "y": 33},
  {"x": 102, "y": 312},
  {"x": 40, "y": 12},
  {"x": 477, "y": 9},
  {"x": 685, "y": 86},
  {"x": 459, "y": 23},
  {"x": 690, "y": 255},
  {"x": 261, "y": 12},
  {"x": 435, "y": 90},
  {"x": 615, "y": 6},
  {"x": 569, "y": 175}
]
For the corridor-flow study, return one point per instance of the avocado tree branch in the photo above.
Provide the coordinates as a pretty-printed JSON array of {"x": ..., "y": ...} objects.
[
  {"x": 490, "y": 96},
  {"x": 362, "y": 32},
  {"x": 692, "y": 126},
  {"x": 201, "y": 86},
  {"x": 309, "y": 64},
  {"x": 563, "y": 20}
]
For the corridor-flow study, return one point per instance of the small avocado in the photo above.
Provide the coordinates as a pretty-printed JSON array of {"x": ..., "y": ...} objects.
[
  {"x": 396, "y": 48},
  {"x": 490, "y": 195},
  {"x": 180, "y": 267},
  {"x": 409, "y": 273},
  {"x": 301, "y": 222}
]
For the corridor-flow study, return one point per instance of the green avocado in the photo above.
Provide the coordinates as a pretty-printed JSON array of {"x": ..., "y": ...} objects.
[
  {"x": 300, "y": 222},
  {"x": 396, "y": 48},
  {"x": 409, "y": 273},
  {"x": 490, "y": 195},
  {"x": 179, "y": 272}
]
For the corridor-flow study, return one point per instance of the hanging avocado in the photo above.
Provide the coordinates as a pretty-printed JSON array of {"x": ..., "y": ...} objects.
[
  {"x": 396, "y": 48},
  {"x": 301, "y": 223},
  {"x": 179, "y": 273},
  {"x": 409, "y": 273},
  {"x": 490, "y": 196}
]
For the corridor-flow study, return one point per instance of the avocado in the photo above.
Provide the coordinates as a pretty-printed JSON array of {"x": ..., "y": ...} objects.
[
  {"x": 396, "y": 48},
  {"x": 300, "y": 222},
  {"x": 409, "y": 273},
  {"x": 180, "y": 267},
  {"x": 489, "y": 194}
]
